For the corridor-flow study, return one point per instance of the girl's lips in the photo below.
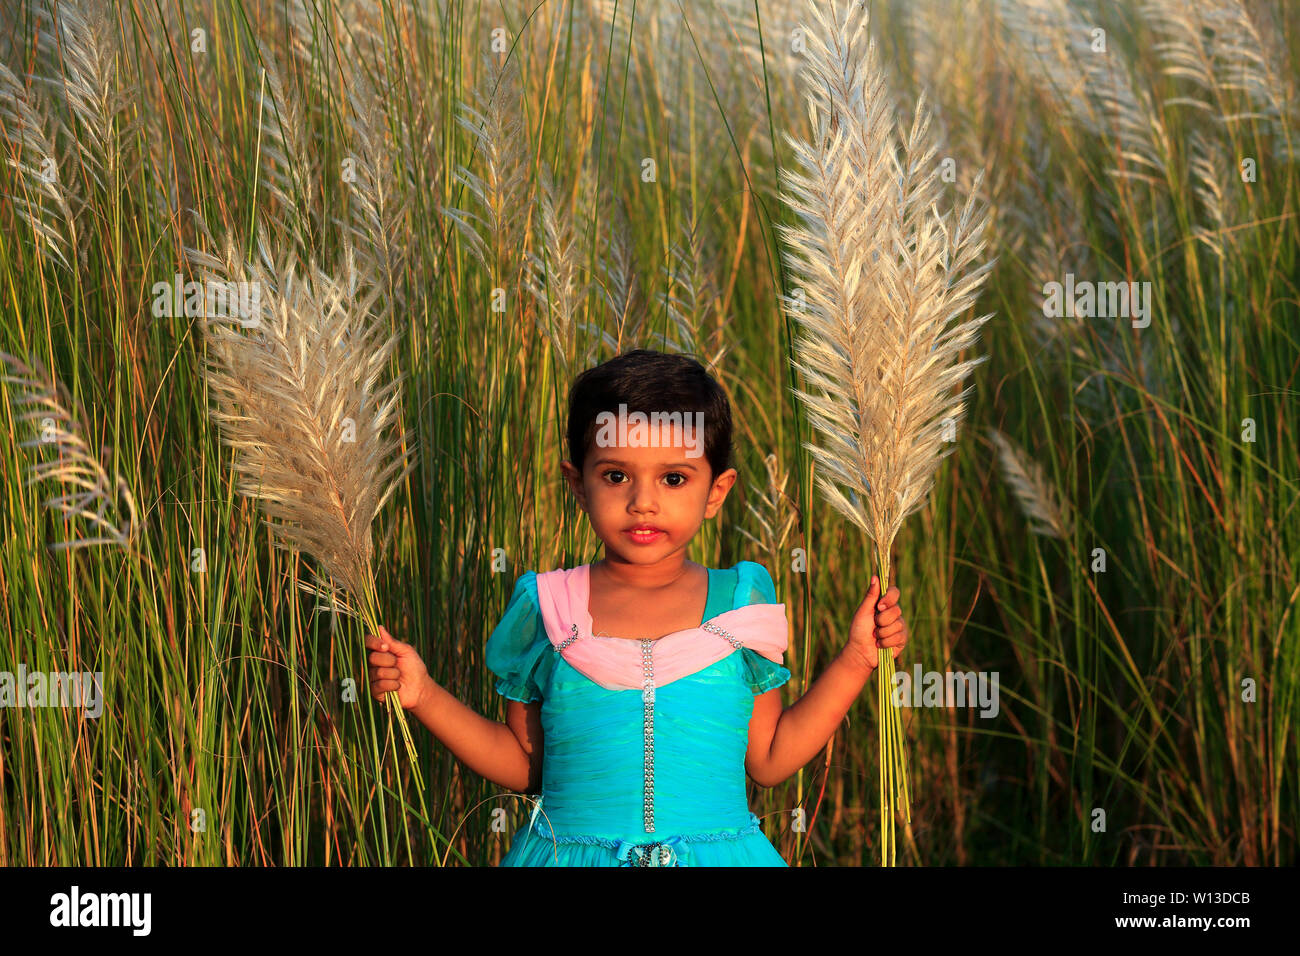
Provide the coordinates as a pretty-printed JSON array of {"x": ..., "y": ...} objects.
[{"x": 644, "y": 537}]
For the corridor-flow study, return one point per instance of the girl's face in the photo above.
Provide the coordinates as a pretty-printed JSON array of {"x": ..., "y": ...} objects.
[{"x": 623, "y": 489}]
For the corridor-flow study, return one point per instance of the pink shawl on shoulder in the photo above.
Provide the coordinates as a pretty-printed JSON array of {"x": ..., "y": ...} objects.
[{"x": 615, "y": 663}]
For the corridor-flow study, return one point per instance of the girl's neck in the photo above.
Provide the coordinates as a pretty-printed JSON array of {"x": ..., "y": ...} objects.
[{"x": 625, "y": 574}]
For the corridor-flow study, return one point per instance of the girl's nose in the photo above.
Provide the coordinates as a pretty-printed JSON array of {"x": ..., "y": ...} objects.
[{"x": 643, "y": 499}]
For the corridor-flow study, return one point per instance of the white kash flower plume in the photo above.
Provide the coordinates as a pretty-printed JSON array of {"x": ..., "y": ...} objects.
[
  {"x": 1047, "y": 513},
  {"x": 882, "y": 279},
  {"x": 105, "y": 504}
]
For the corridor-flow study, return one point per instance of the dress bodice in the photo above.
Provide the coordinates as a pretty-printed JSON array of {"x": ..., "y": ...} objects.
[{"x": 633, "y": 748}]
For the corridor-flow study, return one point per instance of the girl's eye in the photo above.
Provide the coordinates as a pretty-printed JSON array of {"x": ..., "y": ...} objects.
[{"x": 671, "y": 474}]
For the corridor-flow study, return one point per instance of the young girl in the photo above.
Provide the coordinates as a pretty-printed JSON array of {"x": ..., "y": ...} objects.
[{"x": 643, "y": 686}]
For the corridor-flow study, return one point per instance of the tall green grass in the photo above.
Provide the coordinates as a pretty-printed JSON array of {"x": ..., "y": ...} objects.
[{"x": 225, "y": 688}]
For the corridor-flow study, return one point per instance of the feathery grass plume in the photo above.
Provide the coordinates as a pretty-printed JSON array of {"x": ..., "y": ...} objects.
[
  {"x": 1219, "y": 47},
  {"x": 588, "y": 216},
  {"x": 288, "y": 174},
  {"x": 44, "y": 202},
  {"x": 377, "y": 217},
  {"x": 1052, "y": 332},
  {"x": 1057, "y": 244},
  {"x": 498, "y": 236},
  {"x": 1096, "y": 88},
  {"x": 298, "y": 399},
  {"x": 1210, "y": 169},
  {"x": 687, "y": 300},
  {"x": 309, "y": 36},
  {"x": 677, "y": 51},
  {"x": 296, "y": 378},
  {"x": 1042, "y": 227},
  {"x": 555, "y": 278},
  {"x": 45, "y": 402},
  {"x": 948, "y": 51},
  {"x": 422, "y": 82},
  {"x": 327, "y": 44},
  {"x": 619, "y": 288},
  {"x": 1048, "y": 514},
  {"x": 760, "y": 50},
  {"x": 1037, "y": 184},
  {"x": 1186, "y": 50},
  {"x": 772, "y": 510},
  {"x": 1255, "y": 62},
  {"x": 80, "y": 40},
  {"x": 883, "y": 276}
]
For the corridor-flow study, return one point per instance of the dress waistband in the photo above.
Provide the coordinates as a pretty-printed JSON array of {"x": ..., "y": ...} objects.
[{"x": 670, "y": 852}]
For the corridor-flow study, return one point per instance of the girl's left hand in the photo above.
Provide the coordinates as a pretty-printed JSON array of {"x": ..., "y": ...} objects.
[{"x": 878, "y": 623}]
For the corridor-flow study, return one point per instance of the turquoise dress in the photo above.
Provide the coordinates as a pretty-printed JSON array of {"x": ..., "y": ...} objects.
[{"x": 590, "y": 811}]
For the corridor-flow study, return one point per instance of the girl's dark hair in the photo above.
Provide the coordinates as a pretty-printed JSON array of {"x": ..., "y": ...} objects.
[{"x": 648, "y": 381}]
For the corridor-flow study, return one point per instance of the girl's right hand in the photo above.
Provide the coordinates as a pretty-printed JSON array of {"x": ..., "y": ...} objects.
[{"x": 395, "y": 666}]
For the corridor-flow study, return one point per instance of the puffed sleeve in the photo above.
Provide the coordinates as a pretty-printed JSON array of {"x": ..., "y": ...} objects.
[
  {"x": 517, "y": 648},
  {"x": 755, "y": 586}
]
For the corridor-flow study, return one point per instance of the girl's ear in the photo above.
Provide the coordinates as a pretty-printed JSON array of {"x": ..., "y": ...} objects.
[
  {"x": 718, "y": 493},
  {"x": 574, "y": 478}
]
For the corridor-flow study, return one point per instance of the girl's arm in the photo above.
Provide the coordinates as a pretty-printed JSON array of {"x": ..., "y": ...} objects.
[
  {"x": 508, "y": 754},
  {"x": 782, "y": 741}
]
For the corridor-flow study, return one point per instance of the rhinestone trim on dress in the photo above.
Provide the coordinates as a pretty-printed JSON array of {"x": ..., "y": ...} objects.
[
  {"x": 722, "y": 632},
  {"x": 648, "y": 733},
  {"x": 568, "y": 640},
  {"x": 651, "y": 854}
]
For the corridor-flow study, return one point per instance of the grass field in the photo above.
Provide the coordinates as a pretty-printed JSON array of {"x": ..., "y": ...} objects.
[{"x": 520, "y": 191}]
